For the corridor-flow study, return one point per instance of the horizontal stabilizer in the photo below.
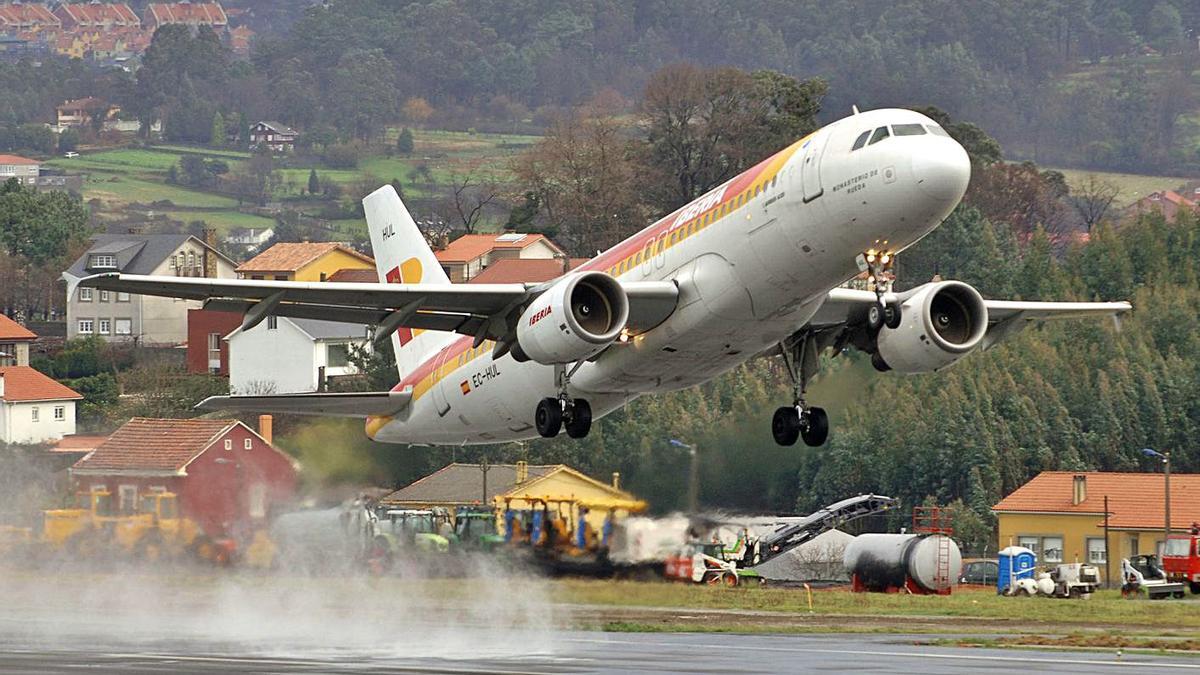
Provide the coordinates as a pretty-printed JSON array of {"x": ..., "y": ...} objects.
[{"x": 349, "y": 404}]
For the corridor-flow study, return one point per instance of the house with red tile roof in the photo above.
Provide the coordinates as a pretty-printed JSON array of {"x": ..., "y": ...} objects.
[
  {"x": 159, "y": 14},
  {"x": 22, "y": 168},
  {"x": 33, "y": 17},
  {"x": 304, "y": 261},
  {"x": 467, "y": 256},
  {"x": 1166, "y": 202},
  {"x": 1060, "y": 515},
  {"x": 14, "y": 342},
  {"x": 229, "y": 478},
  {"x": 33, "y": 407},
  {"x": 525, "y": 270},
  {"x": 80, "y": 112},
  {"x": 96, "y": 15}
]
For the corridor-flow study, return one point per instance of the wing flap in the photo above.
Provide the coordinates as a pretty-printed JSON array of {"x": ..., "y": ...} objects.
[{"x": 349, "y": 404}]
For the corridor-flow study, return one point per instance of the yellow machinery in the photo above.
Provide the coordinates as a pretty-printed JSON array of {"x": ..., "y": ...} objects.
[{"x": 157, "y": 531}]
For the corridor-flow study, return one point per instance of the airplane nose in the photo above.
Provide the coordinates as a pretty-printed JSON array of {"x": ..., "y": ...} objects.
[{"x": 942, "y": 169}]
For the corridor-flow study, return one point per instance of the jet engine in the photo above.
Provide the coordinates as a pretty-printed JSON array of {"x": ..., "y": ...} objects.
[
  {"x": 940, "y": 323},
  {"x": 574, "y": 319}
]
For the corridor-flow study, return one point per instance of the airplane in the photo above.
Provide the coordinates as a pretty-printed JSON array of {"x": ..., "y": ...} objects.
[{"x": 756, "y": 266}]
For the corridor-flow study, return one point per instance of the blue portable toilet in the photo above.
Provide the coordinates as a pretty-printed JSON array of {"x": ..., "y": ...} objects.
[{"x": 1016, "y": 562}]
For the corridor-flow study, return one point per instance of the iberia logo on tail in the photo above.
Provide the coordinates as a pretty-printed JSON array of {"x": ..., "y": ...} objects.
[{"x": 409, "y": 272}]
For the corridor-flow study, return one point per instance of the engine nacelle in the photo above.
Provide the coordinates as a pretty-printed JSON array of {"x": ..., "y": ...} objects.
[
  {"x": 575, "y": 319},
  {"x": 940, "y": 323}
]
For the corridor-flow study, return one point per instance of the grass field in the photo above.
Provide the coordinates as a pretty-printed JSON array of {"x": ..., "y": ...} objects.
[
  {"x": 116, "y": 191},
  {"x": 1105, "y": 607},
  {"x": 224, "y": 220},
  {"x": 1132, "y": 186}
]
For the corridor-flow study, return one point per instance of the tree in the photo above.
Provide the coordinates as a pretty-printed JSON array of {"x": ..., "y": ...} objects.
[
  {"x": 314, "y": 183},
  {"x": 404, "y": 144},
  {"x": 39, "y": 226},
  {"x": 216, "y": 138},
  {"x": 417, "y": 110},
  {"x": 364, "y": 89},
  {"x": 1092, "y": 199},
  {"x": 68, "y": 141},
  {"x": 468, "y": 199}
]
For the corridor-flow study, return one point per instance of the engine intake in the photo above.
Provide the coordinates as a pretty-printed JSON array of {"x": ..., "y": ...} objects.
[
  {"x": 575, "y": 319},
  {"x": 941, "y": 323}
]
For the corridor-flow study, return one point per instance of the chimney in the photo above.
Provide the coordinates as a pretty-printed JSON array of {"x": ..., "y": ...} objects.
[
  {"x": 616, "y": 480},
  {"x": 1079, "y": 489},
  {"x": 1, "y": 385},
  {"x": 266, "y": 426},
  {"x": 210, "y": 260},
  {"x": 522, "y": 472}
]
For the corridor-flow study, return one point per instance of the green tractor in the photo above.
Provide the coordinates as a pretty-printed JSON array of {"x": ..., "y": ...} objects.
[{"x": 475, "y": 529}]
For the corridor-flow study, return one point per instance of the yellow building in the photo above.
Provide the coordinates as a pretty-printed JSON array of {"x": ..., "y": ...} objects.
[
  {"x": 555, "y": 487},
  {"x": 307, "y": 261},
  {"x": 1060, "y": 515}
]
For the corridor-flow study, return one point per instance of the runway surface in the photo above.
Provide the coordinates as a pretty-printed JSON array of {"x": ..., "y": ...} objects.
[{"x": 584, "y": 652}]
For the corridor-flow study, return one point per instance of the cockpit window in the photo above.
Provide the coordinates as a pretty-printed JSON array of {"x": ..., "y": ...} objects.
[
  {"x": 861, "y": 140},
  {"x": 908, "y": 130},
  {"x": 935, "y": 129},
  {"x": 880, "y": 134}
]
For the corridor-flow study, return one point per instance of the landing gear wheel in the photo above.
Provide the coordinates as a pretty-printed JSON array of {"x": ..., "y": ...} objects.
[
  {"x": 580, "y": 422},
  {"x": 785, "y": 426},
  {"x": 548, "y": 417},
  {"x": 875, "y": 318},
  {"x": 892, "y": 315},
  {"x": 816, "y": 431}
]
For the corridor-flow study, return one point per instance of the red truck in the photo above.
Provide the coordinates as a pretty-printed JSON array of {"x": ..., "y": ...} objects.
[{"x": 1181, "y": 560}]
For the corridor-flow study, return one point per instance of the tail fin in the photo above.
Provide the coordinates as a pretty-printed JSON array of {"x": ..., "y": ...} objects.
[{"x": 403, "y": 256}]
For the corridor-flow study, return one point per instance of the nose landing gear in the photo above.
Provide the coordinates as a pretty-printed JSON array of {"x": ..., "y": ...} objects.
[
  {"x": 552, "y": 414},
  {"x": 799, "y": 420},
  {"x": 878, "y": 265}
]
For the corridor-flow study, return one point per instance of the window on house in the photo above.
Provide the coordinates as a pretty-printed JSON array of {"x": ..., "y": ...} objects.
[
  {"x": 85, "y": 295},
  {"x": 122, "y": 297},
  {"x": 228, "y": 444},
  {"x": 105, "y": 326},
  {"x": 34, "y": 414},
  {"x": 214, "y": 347},
  {"x": 127, "y": 498},
  {"x": 1052, "y": 549},
  {"x": 880, "y": 134},
  {"x": 1096, "y": 550},
  {"x": 191, "y": 260},
  {"x": 60, "y": 412},
  {"x": 272, "y": 322},
  {"x": 247, "y": 444},
  {"x": 174, "y": 264},
  {"x": 85, "y": 326},
  {"x": 103, "y": 296},
  {"x": 103, "y": 260},
  {"x": 258, "y": 501},
  {"x": 124, "y": 326},
  {"x": 337, "y": 355},
  {"x": 1031, "y": 543}
]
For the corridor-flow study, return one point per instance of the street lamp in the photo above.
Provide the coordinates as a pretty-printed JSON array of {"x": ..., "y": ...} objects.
[
  {"x": 1166, "y": 462},
  {"x": 693, "y": 476}
]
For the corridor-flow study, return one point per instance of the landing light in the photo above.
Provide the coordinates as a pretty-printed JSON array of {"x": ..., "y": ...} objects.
[{"x": 623, "y": 337}]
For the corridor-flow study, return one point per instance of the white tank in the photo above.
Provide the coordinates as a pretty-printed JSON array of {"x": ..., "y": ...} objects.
[{"x": 883, "y": 561}]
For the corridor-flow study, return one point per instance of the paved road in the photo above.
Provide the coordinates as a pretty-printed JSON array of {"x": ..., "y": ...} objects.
[{"x": 580, "y": 652}]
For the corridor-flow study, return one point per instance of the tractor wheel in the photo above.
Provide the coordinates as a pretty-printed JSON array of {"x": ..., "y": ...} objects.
[
  {"x": 204, "y": 550},
  {"x": 731, "y": 580},
  {"x": 1194, "y": 587},
  {"x": 151, "y": 549}
]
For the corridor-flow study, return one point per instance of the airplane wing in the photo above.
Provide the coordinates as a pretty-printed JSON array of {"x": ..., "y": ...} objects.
[
  {"x": 1005, "y": 317},
  {"x": 485, "y": 311},
  {"x": 350, "y": 404}
]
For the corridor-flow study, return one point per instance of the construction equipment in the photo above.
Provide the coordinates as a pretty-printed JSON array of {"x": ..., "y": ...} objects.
[
  {"x": 1066, "y": 580},
  {"x": 794, "y": 533},
  {"x": 475, "y": 529},
  {"x": 903, "y": 563},
  {"x": 157, "y": 531},
  {"x": 1143, "y": 573},
  {"x": 703, "y": 564}
]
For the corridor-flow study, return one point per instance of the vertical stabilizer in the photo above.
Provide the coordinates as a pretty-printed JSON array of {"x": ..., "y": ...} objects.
[{"x": 402, "y": 256}]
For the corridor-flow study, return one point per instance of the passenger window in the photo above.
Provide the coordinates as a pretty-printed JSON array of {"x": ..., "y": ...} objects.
[
  {"x": 773, "y": 180},
  {"x": 937, "y": 131},
  {"x": 880, "y": 134},
  {"x": 637, "y": 258},
  {"x": 908, "y": 130},
  {"x": 674, "y": 233},
  {"x": 861, "y": 140}
]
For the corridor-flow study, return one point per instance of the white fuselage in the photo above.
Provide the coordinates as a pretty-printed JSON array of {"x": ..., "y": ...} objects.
[{"x": 753, "y": 260}]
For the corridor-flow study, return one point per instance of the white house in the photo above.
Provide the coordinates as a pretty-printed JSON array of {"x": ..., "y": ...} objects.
[
  {"x": 289, "y": 356},
  {"x": 33, "y": 407},
  {"x": 23, "y": 169},
  {"x": 142, "y": 318}
]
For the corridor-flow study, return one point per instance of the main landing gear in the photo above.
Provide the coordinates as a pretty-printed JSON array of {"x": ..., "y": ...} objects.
[
  {"x": 800, "y": 420},
  {"x": 552, "y": 414},
  {"x": 878, "y": 266}
]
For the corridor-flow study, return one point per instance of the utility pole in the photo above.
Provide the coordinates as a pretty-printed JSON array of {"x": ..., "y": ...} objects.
[
  {"x": 1107, "y": 558},
  {"x": 484, "y": 467},
  {"x": 1166, "y": 461}
]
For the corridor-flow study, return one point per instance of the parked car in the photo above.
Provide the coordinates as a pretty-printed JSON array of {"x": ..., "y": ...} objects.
[
  {"x": 71, "y": 155},
  {"x": 980, "y": 571}
]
